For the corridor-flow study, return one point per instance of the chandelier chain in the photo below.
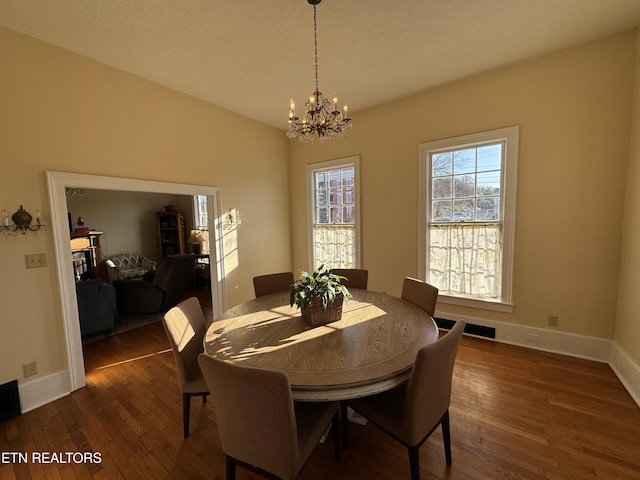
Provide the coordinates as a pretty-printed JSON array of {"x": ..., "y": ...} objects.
[{"x": 315, "y": 44}]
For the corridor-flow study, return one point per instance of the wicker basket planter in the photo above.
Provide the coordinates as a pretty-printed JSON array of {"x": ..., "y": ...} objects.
[
  {"x": 315, "y": 315},
  {"x": 319, "y": 296}
]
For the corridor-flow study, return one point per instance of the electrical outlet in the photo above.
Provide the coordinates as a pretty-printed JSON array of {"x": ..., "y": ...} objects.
[
  {"x": 36, "y": 260},
  {"x": 552, "y": 320},
  {"x": 30, "y": 369},
  {"x": 531, "y": 337}
]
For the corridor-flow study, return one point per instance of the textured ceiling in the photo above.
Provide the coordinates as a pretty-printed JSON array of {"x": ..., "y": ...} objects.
[{"x": 251, "y": 56}]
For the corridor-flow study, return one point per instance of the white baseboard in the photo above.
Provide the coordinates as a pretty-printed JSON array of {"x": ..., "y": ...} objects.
[
  {"x": 627, "y": 371},
  {"x": 571, "y": 344},
  {"x": 44, "y": 390},
  {"x": 581, "y": 346}
]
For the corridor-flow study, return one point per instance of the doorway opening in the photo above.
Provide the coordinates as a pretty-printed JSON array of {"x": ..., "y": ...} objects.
[{"x": 57, "y": 183}]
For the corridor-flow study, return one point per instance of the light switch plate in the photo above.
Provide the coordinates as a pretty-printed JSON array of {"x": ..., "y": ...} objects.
[{"x": 36, "y": 260}]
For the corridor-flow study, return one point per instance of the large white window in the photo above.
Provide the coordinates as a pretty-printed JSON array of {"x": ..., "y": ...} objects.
[
  {"x": 467, "y": 211},
  {"x": 334, "y": 212}
]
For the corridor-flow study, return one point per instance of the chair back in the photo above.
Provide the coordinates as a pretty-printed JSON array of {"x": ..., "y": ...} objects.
[
  {"x": 356, "y": 277},
  {"x": 173, "y": 275},
  {"x": 255, "y": 415},
  {"x": 185, "y": 327},
  {"x": 272, "y": 283},
  {"x": 429, "y": 388},
  {"x": 421, "y": 294}
]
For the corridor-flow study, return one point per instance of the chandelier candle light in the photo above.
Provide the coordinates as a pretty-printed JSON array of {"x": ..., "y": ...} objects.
[{"x": 322, "y": 117}]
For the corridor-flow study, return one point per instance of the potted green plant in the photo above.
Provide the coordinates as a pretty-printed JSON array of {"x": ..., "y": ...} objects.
[{"x": 319, "y": 295}]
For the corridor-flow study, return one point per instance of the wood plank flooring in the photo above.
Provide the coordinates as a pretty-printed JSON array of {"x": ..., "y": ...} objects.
[{"x": 515, "y": 414}]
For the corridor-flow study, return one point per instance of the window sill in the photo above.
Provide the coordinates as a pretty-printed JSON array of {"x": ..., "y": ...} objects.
[{"x": 475, "y": 303}]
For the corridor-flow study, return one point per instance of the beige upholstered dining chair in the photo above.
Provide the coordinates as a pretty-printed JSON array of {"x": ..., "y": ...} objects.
[
  {"x": 421, "y": 294},
  {"x": 272, "y": 283},
  {"x": 185, "y": 327},
  {"x": 412, "y": 411},
  {"x": 260, "y": 427},
  {"x": 356, "y": 277}
]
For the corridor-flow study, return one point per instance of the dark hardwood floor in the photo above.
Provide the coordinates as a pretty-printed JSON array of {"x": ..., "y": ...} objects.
[{"x": 515, "y": 414}]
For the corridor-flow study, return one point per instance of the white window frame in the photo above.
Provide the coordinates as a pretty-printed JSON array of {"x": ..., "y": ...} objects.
[
  {"x": 332, "y": 165},
  {"x": 509, "y": 136}
]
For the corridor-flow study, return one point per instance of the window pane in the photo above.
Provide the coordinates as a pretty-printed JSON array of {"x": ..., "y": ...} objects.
[
  {"x": 348, "y": 215},
  {"x": 442, "y": 164},
  {"x": 464, "y": 186},
  {"x": 321, "y": 198},
  {"x": 441, "y": 211},
  {"x": 321, "y": 180},
  {"x": 488, "y": 209},
  {"x": 347, "y": 177},
  {"x": 442, "y": 187},
  {"x": 322, "y": 215},
  {"x": 488, "y": 183},
  {"x": 490, "y": 157},
  {"x": 336, "y": 215},
  {"x": 334, "y": 179},
  {"x": 464, "y": 161},
  {"x": 463, "y": 211}
]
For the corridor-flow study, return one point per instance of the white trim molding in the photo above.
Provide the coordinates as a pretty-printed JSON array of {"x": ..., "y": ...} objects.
[
  {"x": 627, "y": 371},
  {"x": 43, "y": 390}
]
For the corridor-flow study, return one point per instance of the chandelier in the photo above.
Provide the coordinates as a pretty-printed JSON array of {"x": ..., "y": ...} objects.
[{"x": 322, "y": 117}]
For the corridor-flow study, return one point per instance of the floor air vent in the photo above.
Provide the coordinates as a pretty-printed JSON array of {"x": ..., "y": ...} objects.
[
  {"x": 9, "y": 401},
  {"x": 470, "y": 328}
]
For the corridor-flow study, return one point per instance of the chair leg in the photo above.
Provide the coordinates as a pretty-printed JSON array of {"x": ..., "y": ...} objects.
[
  {"x": 335, "y": 424},
  {"x": 344, "y": 423},
  {"x": 414, "y": 461},
  {"x": 230, "y": 468},
  {"x": 446, "y": 437},
  {"x": 186, "y": 410}
]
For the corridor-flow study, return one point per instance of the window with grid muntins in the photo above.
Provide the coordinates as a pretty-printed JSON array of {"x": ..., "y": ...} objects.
[
  {"x": 334, "y": 232},
  {"x": 464, "y": 231}
]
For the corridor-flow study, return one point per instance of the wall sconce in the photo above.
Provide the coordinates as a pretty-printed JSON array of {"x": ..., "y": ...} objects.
[
  {"x": 231, "y": 219},
  {"x": 21, "y": 221}
]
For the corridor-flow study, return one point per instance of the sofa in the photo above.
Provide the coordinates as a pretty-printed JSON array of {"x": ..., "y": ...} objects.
[
  {"x": 96, "y": 306},
  {"x": 124, "y": 266},
  {"x": 156, "y": 291}
]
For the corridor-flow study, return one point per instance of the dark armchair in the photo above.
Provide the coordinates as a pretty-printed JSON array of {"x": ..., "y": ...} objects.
[
  {"x": 96, "y": 306},
  {"x": 158, "y": 291}
]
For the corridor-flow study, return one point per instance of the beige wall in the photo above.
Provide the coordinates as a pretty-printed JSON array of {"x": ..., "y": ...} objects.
[
  {"x": 573, "y": 108},
  {"x": 63, "y": 112},
  {"x": 627, "y": 334}
]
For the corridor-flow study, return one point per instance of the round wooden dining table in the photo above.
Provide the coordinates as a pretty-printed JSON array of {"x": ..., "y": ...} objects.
[{"x": 370, "y": 350}]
